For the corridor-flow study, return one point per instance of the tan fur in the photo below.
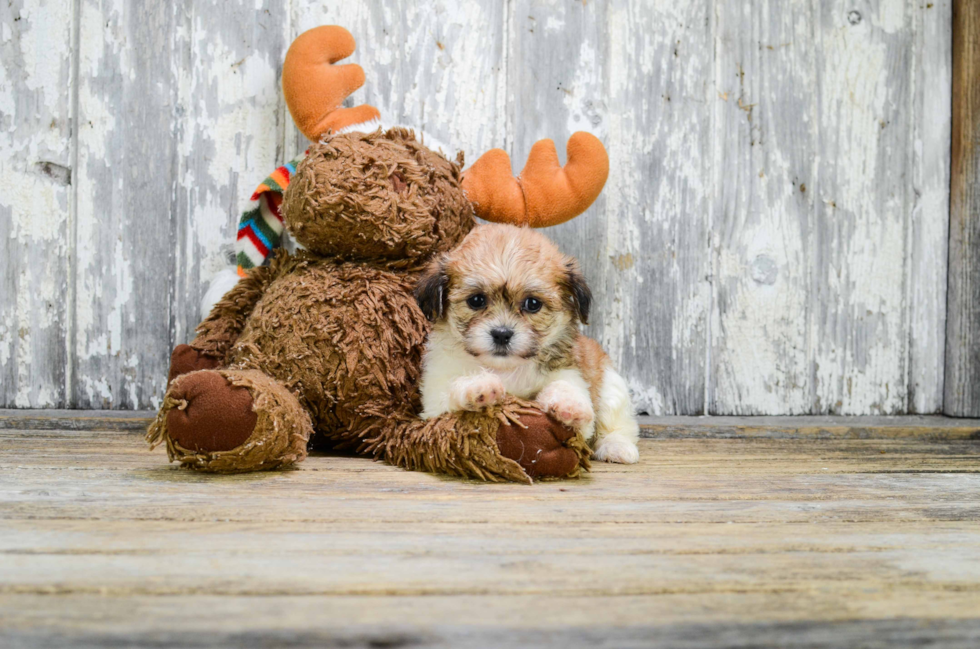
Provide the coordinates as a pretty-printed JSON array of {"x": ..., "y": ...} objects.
[
  {"x": 504, "y": 265},
  {"x": 592, "y": 360},
  {"x": 489, "y": 339},
  {"x": 508, "y": 264}
]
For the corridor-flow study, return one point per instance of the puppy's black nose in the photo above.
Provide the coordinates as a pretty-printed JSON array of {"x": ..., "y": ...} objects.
[{"x": 501, "y": 335}]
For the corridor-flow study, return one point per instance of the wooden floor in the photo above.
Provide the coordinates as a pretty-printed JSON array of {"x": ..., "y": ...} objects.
[{"x": 729, "y": 533}]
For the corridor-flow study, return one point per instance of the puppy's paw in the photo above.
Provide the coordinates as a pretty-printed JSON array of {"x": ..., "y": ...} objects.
[
  {"x": 477, "y": 392},
  {"x": 562, "y": 401},
  {"x": 571, "y": 412},
  {"x": 616, "y": 448}
]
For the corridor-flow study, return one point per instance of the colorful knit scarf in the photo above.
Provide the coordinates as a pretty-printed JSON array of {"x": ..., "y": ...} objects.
[{"x": 260, "y": 228}]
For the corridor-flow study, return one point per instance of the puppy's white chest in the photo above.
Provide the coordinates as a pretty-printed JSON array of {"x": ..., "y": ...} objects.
[{"x": 524, "y": 382}]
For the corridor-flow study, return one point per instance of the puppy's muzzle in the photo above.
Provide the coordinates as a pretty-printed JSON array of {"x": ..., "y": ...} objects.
[{"x": 501, "y": 339}]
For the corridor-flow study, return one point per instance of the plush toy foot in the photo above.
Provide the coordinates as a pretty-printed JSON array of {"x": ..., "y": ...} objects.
[
  {"x": 545, "y": 449},
  {"x": 186, "y": 359},
  {"x": 231, "y": 421},
  {"x": 214, "y": 416}
]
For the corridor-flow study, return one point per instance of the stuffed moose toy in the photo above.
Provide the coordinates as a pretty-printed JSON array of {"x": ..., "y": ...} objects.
[{"x": 324, "y": 346}]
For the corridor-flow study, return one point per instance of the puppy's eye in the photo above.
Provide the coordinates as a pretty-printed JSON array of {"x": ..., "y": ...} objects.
[
  {"x": 477, "y": 301},
  {"x": 531, "y": 305}
]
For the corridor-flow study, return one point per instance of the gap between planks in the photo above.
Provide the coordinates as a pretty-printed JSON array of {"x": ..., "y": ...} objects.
[{"x": 933, "y": 427}]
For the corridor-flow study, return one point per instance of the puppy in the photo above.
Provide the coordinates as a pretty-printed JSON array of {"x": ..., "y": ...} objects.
[{"x": 507, "y": 306}]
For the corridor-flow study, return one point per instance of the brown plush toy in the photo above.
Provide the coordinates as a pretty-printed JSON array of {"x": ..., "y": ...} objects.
[{"x": 326, "y": 344}]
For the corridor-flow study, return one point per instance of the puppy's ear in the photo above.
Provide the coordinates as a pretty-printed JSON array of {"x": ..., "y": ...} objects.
[
  {"x": 431, "y": 291},
  {"x": 578, "y": 290}
]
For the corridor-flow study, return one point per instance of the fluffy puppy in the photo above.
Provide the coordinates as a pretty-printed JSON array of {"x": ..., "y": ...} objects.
[{"x": 507, "y": 307}]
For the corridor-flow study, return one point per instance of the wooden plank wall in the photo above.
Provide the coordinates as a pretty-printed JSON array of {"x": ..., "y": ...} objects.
[
  {"x": 772, "y": 239},
  {"x": 963, "y": 325}
]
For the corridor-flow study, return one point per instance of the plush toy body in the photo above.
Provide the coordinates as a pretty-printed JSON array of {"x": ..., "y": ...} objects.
[{"x": 325, "y": 344}]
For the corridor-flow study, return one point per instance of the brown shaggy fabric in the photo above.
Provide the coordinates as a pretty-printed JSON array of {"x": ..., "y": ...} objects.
[
  {"x": 461, "y": 444},
  {"x": 331, "y": 339},
  {"x": 380, "y": 195},
  {"x": 279, "y": 437},
  {"x": 228, "y": 317},
  {"x": 345, "y": 337},
  {"x": 186, "y": 359}
]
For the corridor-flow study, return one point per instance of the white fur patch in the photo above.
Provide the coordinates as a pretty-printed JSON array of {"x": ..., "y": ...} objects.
[
  {"x": 449, "y": 375},
  {"x": 616, "y": 448},
  {"x": 224, "y": 281},
  {"x": 566, "y": 398},
  {"x": 476, "y": 391},
  {"x": 616, "y": 429}
]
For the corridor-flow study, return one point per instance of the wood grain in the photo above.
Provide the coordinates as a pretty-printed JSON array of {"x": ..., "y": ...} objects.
[
  {"x": 36, "y": 110},
  {"x": 125, "y": 177},
  {"x": 75, "y": 420},
  {"x": 928, "y": 233},
  {"x": 962, "y": 390},
  {"x": 461, "y": 622},
  {"x": 822, "y": 242},
  {"x": 781, "y": 542},
  {"x": 858, "y": 317},
  {"x": 761, "y": 222},
  {"x": 637, "y": 75},
  {"x": 926, "y": 428}
]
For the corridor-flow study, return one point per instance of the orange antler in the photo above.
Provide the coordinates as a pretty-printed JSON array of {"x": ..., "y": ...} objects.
[
  {"x": 315, "y": 88},
  {"x": 545, "y": 193}
]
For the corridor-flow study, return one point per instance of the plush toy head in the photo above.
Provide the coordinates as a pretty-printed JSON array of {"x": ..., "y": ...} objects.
[{"x": 376, "y": 195}]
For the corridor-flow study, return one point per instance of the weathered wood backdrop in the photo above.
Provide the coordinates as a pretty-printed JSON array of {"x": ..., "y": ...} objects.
[
  {"x": 962, "y": 385},
  {"x": 772, "y": 239}
]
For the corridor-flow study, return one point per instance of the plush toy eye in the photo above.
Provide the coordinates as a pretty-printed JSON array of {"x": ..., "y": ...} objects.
[
  {"x": 477, "y": 301},
  {"x": 531, "y": 305}
]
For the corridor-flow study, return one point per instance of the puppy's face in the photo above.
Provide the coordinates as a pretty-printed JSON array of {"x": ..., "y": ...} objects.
[{"x": 508, "y": 295}]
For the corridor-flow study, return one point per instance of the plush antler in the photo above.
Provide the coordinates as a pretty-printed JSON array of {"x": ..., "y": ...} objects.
[
  {"x": 545, "y": 193},
  {"x": 315, "y": 88}
]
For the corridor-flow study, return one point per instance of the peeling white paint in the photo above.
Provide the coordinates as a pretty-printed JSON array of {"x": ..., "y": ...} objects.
[
  {"x": 96, "y": 119},
  {"x": 929, "y": 231},
  {"x": 584, "y": 100},
  {"x": 716, "y": 115},
  {"x": 7, "y": 333},
  {"x": 45, "y": 63},
  {"x": 861, "y": 345},
  {"x": 230, "y": 136},
  {"x": 36, "y": 204},
  {"x": 34, "y": 201},
  {"x": 433, "y": 66},
  {"x": 892, "y": 15},
  {"x": 620, "y": 197}
]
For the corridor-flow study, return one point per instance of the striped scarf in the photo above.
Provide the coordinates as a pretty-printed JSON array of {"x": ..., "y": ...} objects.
[{"x": 260, "y": 228}]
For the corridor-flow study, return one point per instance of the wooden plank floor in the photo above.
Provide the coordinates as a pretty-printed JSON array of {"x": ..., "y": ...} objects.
[{"x": 730, "y": 532}]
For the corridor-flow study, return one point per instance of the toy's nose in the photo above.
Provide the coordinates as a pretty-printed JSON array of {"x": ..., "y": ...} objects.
[{"x": 501, "y": 335}]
